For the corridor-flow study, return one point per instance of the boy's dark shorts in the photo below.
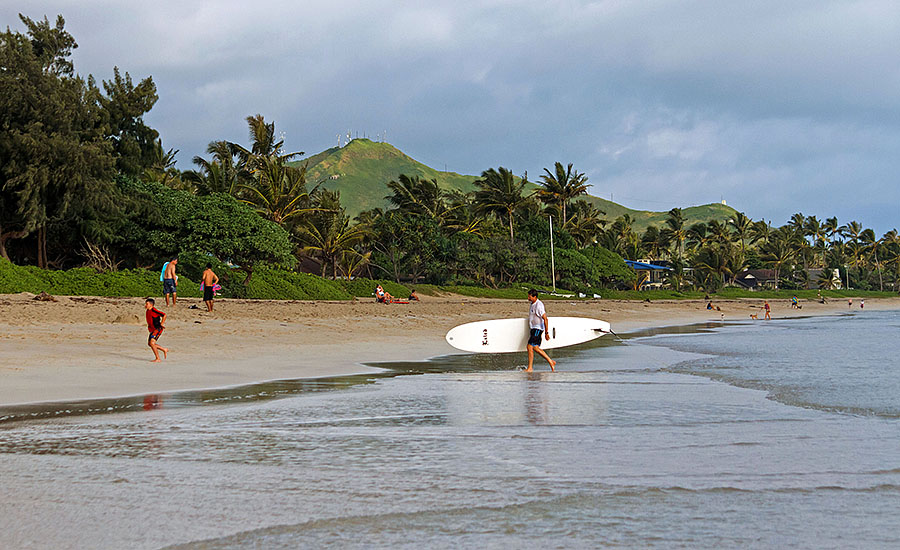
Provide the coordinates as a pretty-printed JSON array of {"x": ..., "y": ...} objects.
[
  {"x": 207, "y": 293},
  {"x": 169, "y": 286},
  {"x": 535, "y": 338},
  {"x": 155, "y": 335}
]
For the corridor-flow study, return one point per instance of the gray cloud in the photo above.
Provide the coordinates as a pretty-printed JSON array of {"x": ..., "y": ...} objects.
[{"x": 777, "y": 107}]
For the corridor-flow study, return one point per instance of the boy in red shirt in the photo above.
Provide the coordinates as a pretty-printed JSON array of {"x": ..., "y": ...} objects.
[{"x": 156, "y": 323}]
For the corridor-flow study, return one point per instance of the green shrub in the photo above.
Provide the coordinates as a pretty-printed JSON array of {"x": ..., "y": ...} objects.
[
  {"x": 271, "y": 283},
  {"x": 84, "y": 281}
]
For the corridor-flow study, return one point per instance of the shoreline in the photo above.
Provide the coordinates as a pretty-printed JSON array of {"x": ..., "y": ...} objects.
[{"x": 87, "y": 348}]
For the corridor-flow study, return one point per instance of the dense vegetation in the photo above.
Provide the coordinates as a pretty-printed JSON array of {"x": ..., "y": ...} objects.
[{"x": 86, "y": 185}]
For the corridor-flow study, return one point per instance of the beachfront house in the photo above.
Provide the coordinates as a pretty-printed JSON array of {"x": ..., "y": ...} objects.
[
  {"x": 649, "y": 274},
  {"x": 756, "y": 279}
]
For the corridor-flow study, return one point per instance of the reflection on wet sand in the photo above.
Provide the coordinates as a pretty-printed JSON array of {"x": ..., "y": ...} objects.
[
  {"x": 516, "y": 398},
  {"x": 152, "y": 402}
]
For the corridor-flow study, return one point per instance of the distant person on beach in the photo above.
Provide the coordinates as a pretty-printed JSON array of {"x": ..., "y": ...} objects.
[
  {"x": 156, "y": 324},
  {"x": 413, "y": 297},
  {"x": 794, "y": 303},
  {"x": 209, "y": 280},
  {"x": 862, "y": 304},
  {"x": 170, "y": 281},
  {"x": 849, "y": 303},
  {"x": 539, "y": 324},
  {"x": 709, "y": 305},
  {"x": 768, "y": 309}
]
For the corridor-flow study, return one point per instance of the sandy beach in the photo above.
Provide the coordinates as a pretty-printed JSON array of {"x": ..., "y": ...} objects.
[{"x": 89, "y": 347}]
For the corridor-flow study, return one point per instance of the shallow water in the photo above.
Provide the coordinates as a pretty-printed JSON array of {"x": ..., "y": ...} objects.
[{"x": 693, "y": 439}]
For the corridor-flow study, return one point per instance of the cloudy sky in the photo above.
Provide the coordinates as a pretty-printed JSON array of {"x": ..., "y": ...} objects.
[{"x": 777, "y": 107}]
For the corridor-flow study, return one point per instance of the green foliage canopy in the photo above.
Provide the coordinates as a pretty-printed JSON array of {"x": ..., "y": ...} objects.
[{"x": 216, "y": 225}]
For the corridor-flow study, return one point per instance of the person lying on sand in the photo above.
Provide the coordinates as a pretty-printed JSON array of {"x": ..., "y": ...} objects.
[{"x": 381, "y": 296}]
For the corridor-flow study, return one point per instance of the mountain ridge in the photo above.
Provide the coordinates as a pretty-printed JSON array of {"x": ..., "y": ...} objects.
[{"x": 361, "y": 170}]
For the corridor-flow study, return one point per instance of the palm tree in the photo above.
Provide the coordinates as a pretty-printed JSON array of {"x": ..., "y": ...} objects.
[
  {"x": 262, "y": 137},
  {"x": 561, "y": 186},
  {"x": 278, "y": 191},
  {"x": 761, "y": 231},
  {"x": 798, "y": 224},
  {"x": 698, "y": 236},
  {"x": 715, "y": 264},
  {"x": 621, "y": 238},
  {"x": 831, "y": 228},
  {"x": 462, "y": 215},
  {"x": 826, "y": 280},
  {"x": 330, "y": 237},
  {"x": 852, "y": 231},
  {"x": 742, "y": 225},
  {"x": 891, "y": 241},
  {"x": 419, "y": 196},
  {"x": 654, "y": 242},
  {"x": 718, "y": 232},
  {"x": 162, "y": 170},
  {"x": 219, "y": 175},
  {"x": 675, "y": 233},
  {"x": 585, "y": 223},
  {"x": 499, "y": 193},
  {"x": 816, "y": 229},
  {"x": 779, "y": 250},
  {"x": 867, "y": 236},
  {"x": 267, "y": 182}
]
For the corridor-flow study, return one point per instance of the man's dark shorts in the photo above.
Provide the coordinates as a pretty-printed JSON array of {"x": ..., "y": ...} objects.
[
  {"x": 535, "y": 339},
  {"x": 207, "y": 293},
  {"x": 155, "y": 335},
  {"x": 169, "y": 286}
]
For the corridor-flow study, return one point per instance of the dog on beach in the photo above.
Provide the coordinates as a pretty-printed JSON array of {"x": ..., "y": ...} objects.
[{"x": 754, "y": 316}]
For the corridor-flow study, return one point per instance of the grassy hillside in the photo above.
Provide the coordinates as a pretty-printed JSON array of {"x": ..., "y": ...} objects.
[
  {"x": 644, "y": 218},
  {"x": 361, "y": 169}
]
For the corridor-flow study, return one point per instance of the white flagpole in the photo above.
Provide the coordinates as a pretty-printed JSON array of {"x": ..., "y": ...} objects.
[{"x": 552, "y": 259}]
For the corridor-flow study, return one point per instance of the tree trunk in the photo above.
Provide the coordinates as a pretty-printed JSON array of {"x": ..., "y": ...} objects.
[
  {"x": 878, "y": 265},
  {"x": 11, "y": 235},
  {"x": 806, "y": 270},
  {"x": 42, "y": 247}
]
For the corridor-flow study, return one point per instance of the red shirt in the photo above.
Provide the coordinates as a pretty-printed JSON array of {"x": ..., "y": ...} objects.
[{"x": 154, "y": 319}]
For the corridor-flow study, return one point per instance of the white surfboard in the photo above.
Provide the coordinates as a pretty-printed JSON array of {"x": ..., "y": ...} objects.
[{"x": 508, "y": 335}]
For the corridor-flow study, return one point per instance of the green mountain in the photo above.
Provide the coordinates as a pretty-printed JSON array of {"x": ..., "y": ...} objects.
[
  {"x": 361, "y": 169},
  {"x": 645, "y": 218}
]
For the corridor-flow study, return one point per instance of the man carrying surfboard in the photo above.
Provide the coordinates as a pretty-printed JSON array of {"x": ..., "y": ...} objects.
[{"x": 539, "y": 324}]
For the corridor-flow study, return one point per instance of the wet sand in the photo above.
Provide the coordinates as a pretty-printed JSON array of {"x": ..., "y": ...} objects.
[{"x": 90, "y": 347}]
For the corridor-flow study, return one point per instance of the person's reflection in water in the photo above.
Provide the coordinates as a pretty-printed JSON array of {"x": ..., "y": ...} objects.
[
  {"x": 152, "y": 402},
  {"x": 535, "y": 407}
]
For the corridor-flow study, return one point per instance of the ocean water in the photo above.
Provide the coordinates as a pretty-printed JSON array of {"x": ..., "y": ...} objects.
[{"x": 753, "y": 435}]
